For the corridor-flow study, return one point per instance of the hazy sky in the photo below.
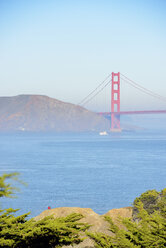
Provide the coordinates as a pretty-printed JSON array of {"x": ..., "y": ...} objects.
[{"x": 64, "y": 49}]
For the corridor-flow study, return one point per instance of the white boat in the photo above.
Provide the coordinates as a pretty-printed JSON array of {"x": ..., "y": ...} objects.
[{"x": 103, "y": 133}]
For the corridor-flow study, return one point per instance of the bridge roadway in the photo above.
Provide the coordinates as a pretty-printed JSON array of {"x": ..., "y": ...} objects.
[{"x": 134, "y": 112}]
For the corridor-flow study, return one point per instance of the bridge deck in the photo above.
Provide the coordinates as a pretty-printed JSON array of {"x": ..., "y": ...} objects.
[{"x": 135, "y": 112}]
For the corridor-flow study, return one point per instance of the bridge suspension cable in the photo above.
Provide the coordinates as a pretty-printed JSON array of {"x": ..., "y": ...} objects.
[
  {"x": 86, "y": 100},
  {"x": 132, "y": 83},
  {"x": 142, "y": 89}
]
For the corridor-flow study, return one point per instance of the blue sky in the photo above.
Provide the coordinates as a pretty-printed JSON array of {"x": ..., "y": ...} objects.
[{"x": 64, "y": 49}]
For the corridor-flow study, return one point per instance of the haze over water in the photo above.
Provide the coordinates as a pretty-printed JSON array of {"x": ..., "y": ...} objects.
[{"x": 88, "y": 170}]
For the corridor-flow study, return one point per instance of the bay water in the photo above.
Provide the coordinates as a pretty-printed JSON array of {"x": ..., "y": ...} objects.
[{"x": 82, "y": 170}]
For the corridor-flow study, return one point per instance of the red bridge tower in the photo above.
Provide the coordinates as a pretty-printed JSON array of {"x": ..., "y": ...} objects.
[{"x": 115, "y": 102}]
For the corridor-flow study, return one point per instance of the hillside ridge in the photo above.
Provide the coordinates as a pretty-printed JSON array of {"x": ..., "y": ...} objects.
[{"x": 43, "y": 113}]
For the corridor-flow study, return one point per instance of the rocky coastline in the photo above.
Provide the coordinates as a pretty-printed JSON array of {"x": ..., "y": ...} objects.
[{"x": 97, "y": 222}]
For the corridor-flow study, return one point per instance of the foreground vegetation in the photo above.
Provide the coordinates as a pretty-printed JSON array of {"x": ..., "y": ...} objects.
[
  {"x": 17, "y": 231},
  {"x": 146, "y": 228}
]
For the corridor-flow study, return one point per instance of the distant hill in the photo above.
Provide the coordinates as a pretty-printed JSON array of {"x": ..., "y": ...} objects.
[{"x": 42, "y": 113}]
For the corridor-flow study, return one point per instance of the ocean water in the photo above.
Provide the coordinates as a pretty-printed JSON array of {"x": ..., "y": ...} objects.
[{"x": 83, "y": 170}]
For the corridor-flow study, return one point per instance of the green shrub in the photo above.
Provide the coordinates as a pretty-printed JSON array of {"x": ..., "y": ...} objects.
[
  {"x": 19, "y": 232},
  {"x": 146, "y": 230}
]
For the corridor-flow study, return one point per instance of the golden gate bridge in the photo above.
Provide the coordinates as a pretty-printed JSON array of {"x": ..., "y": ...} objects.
[{"x": 113, "y": 80}]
